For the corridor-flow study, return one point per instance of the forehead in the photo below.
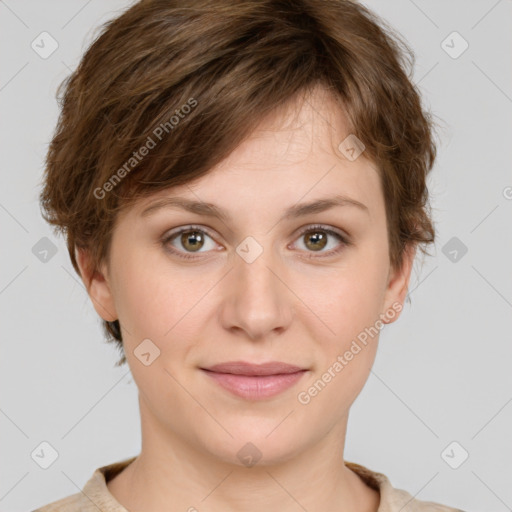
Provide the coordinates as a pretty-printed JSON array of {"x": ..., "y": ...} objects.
[
  {"x": 311, "y": 121},
  {"x": 292, "y": 156}
]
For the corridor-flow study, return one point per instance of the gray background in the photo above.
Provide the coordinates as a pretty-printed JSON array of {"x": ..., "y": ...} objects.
[{"x": 442, "y": 373}]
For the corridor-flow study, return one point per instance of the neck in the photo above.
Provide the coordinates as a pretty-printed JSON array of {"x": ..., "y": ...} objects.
[{"x": 171, "y": 470}]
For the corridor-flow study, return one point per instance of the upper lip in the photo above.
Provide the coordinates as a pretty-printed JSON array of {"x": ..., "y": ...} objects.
[{"x": 244, "y": 368}]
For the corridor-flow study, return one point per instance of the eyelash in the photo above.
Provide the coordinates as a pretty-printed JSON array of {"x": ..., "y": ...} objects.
[{"x": 316, "y": 227}]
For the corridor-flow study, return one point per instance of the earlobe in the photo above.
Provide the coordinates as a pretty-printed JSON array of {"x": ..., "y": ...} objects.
[
  {"x": 97, "y": 286},
  {"x": 398, "y": 283}
]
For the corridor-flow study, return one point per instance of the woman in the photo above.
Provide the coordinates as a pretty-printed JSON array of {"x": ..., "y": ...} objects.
[{"x": 243, "y": 191}]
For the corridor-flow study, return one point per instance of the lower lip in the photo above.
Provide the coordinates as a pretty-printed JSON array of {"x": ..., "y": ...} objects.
[{"x": 255, "y": 387}]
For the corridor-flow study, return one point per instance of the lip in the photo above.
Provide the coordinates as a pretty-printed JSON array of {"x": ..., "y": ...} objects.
[
  {"x": 255, "y": 381},
  {"x": 244, "y": 368}
]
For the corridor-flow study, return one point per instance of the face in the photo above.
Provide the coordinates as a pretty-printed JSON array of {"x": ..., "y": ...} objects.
[{"x": 310, "y": 289}]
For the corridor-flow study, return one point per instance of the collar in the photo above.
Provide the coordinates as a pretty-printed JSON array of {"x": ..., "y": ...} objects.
[{"x": 96, "y": 491}]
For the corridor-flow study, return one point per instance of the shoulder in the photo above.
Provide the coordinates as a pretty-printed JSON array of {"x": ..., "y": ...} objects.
[
  {"x": 95, "y": 494},
  {"x": 73, "y": 503},
  {"x": 393, "y": 499}
]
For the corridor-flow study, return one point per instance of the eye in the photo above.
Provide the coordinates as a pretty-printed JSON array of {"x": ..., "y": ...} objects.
[
  {"x": 186, "y": 241},
  {"x": 316, "y": 238},
  {"x": 190, "y": 239}
]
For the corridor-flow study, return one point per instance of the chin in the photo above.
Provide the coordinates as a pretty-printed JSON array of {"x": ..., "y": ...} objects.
[{"x": 252, "y": 446}]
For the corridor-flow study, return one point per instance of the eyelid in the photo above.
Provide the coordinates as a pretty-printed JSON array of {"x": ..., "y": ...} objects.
[
  {"x": 187, "y": 227},
  {"x": 328, "y": 229}
]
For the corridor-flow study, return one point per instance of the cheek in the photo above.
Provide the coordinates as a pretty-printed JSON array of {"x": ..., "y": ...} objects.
[
  {"x": 353, "y": 316},
  {"x": 344, "y": 355},
  {"x": 162, "y": 302},
  {"x": 148, "y": 301},
  {"x": 353, "y": 297},
  {"x": 350, "y": 304}
]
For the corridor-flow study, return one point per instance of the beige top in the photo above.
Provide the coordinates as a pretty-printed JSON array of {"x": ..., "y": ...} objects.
[{"x": 96, "y": 496}]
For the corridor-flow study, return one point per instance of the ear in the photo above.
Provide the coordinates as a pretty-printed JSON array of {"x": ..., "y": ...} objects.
[
  {"x": 97, "y": 285},
  {"x": 398, "y": 284}
]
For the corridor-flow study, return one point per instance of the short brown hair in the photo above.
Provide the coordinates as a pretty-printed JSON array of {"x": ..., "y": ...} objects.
[{"x": 231, "y": 64}]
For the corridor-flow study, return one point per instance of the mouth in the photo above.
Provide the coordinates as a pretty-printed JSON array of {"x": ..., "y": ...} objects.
[{"x": 255, "y": 381}]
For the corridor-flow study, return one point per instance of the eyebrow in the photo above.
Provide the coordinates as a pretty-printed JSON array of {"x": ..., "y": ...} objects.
[{"x": 211, "y": 210}]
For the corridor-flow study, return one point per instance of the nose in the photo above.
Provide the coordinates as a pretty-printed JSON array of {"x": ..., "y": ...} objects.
[{"x": 256, "y": 300}]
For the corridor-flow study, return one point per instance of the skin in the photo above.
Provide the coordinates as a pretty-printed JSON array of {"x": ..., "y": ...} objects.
[{"x": 283, "y": 306}]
